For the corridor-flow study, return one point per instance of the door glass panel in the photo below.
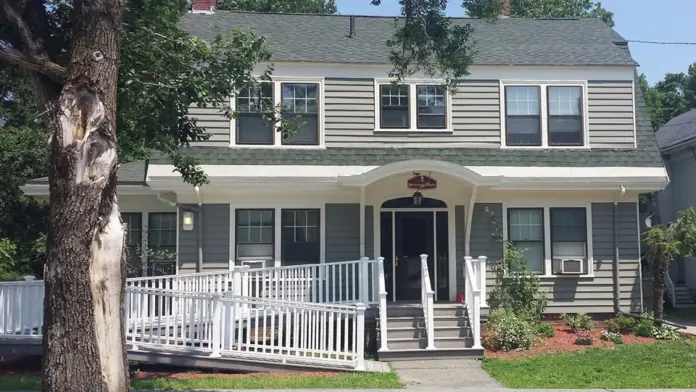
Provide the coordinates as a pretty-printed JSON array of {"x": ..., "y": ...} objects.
[{"x": 442, "y": 256}]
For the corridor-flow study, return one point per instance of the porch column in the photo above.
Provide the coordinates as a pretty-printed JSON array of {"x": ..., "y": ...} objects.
[
  {"x": 469, "y": 219},
  {"x": 362, "y": 221}
]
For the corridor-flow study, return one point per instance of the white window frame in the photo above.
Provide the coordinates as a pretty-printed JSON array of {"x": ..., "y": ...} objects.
[
  {"x": 277, "y": 227},
  {"x": 548, "y": 260},
  {"x": 277, "y": 99},
  {"x": 412, "y": 107},
  {"x": 544, "y": 113}
]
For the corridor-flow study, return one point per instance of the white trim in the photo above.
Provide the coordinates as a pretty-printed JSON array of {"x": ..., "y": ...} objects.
[
  {"x": 362, "y": 222},
  {"x": 547, "y": 206},
  {"x": 640, "y": 266},
  {"x": 452, "y": 245},
  {"x": 302, "y": 69},
  {"x": 233, "y": 238},
  {"x": 543, "y": 113},
  {"x": 412, "y": 107},
  {"x": 277, "y": 100},
  {"x": 145, "y": 238},
  {"x": 178, "y": 230},
  {"x": 277, "y": 224},
  {"x": 469, "y": 217},
  {"x": 635, "y": 129}
]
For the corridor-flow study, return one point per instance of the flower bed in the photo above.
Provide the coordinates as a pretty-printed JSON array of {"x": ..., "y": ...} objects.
[{"x": 565, "y": 341}]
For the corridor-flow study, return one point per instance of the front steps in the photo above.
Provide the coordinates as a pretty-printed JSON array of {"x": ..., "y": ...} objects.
[
  {"x": 407, "y": 336},
  {"x": 683, "y": 295}
]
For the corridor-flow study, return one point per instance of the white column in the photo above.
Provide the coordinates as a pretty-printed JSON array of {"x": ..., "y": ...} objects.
[
  {"x": 360, "y": 338},
  {"x": 482, "y": 271},
  {"x": 362, "y": 221}
]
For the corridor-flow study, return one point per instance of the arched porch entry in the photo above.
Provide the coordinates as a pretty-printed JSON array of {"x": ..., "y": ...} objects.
[{"x": 407, "y": 230}]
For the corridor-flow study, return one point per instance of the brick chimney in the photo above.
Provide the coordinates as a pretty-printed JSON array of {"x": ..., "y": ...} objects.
[
  {"x": 505, "y": 9},
  {"x": 203, "y": 6}
]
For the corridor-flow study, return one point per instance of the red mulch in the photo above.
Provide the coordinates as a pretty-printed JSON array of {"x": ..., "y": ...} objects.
[
  {"x": 188, "y": 375},
  {"x": 564, "y": 341}
]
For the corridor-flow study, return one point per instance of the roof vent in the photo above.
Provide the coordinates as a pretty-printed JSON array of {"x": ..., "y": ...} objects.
[
  {"x": 505, "y": 10},
  {"x": 352, "y": 26}
]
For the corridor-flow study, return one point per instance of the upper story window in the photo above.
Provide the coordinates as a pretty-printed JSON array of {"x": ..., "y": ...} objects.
[
  {"x": 523, "y": 117},
  {"x": 412, "y": 107},
  {"x": 565, "y": 115},
  {"x": 432, "y": 106},
  {"x": 544, "y": 115},
  {"x": 301, "y": 102},
  {"x": 254, "y": 104},
  {"x": 394, "y": 106}
]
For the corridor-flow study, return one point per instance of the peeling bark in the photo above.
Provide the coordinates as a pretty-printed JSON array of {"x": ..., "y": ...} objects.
[{"x": 85, "y": 279}]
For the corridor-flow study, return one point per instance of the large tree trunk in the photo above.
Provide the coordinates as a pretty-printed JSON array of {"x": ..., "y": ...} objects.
[
  {"x": 660, "y": 260},
  {"x": 83, "y": 307}
]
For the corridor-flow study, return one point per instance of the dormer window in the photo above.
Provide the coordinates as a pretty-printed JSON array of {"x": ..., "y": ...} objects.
[
  {"x": 523, "y": 118},
  {"x": 432, "y": 106},
  {"x": 565, "y": 116},
  {"x": 254, "y": 104},
  {"x": 416, "y": 106},
  {"x": 394, "y": 106},
  {"x": 300, "y": 102}
]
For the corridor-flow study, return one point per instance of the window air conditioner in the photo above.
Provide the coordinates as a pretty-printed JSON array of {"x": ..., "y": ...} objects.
[{"x": 572, "y": 266}]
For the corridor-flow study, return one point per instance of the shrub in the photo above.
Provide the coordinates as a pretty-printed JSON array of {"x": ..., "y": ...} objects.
[
  {"x": 545, "y": 330},
  {"x": 507, "y": 332},
  {"x": 643, "y": 328},
  {"x": 578, "y": 322},
  {"x": 664, "y": 332},
  {"x": 620, "y": 323},
  {"x": 584, "y": 338},
  {"x": 613, "y": 337}
]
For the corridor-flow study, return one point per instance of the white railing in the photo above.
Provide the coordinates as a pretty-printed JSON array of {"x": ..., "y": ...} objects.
[
  {"x": 475, "y": 276},
  {"x": 249, "y": 328},
  {"x": 204, "y": 282},
  {"x": 21, "y": 308},
  {"x": 347, "y": 282},
  {"x": 382, "y": 292},
  {"x": 669, "y": 286},
  {"x": 427, "y": 295}
]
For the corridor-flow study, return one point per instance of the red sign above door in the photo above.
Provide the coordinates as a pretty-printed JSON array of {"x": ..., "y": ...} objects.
[{"x": 419, "y": 181}]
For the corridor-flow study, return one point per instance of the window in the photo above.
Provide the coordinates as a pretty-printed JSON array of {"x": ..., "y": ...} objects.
[
  {"x": 394, "y": 111},
  {"x": 568, "y": 233},
  {"x": 254, "y": 234},
  {"x": 300, "y": 101},
  {"x": 300, "y": 236},
  {"x": 565, "y": 116},
  {"x": 162, "y": 243},
  {"x": 526, "y": 231},
  {"x": 523, "y": 115},
  {"x": 253, "y": 103},
  {"x": 432, "y": 108},
  {"x": 134, "y": 237}
]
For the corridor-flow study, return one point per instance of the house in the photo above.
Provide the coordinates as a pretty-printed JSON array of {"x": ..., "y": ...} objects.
[
  {"x": 546, "y": 143},
  {"x": 677, "y": 141}
]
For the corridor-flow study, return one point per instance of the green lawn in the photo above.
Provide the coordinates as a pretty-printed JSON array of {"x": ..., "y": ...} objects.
[
  {"x": 660, "y": 365},
  {"x": 341, "y": 381},
  {"x": 680, "y": 314}
]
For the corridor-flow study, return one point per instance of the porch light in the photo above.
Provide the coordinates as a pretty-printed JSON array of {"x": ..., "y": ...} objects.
[
  {"x": 187, "y": 223},
  {"x": 417, "y": 198}
]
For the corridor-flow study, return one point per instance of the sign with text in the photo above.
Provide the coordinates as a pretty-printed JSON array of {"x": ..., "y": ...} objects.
[{"x": 420, "y": 181}]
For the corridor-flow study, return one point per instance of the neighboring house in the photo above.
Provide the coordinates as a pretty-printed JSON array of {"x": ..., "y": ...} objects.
[
  {"x": 677, "y": 141},
  {"x": 546, "y": 143}
]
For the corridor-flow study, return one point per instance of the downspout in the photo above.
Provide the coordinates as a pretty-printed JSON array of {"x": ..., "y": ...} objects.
[
  {"x": 199, "y": 232},
  {"x": 615, "y": 264}
]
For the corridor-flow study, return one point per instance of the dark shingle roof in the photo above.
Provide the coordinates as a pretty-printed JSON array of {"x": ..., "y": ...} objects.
[
  {"x": 324, "y": 38},
  {"x": 678, "y": 131},
  {"x": 132, "y": 173}
]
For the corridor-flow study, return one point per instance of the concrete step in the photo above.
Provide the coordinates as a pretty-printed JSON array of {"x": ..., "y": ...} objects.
[
  {"x": 404, "y": 311},
  {"x": 452, "y": 332},
  {"x": 453, "y": 342},
  {"x": 438, "y": 353},
  {"x": 450, "y": 321},
  {"x": 405, "y": 332},
  {"x": 459, "y": 311},
  {"x": 402, "y": 322},
  {"x": 406, "y": 343}
]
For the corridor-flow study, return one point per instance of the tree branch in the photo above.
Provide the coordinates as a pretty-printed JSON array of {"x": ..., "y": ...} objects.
[
  {"x": 30, "y": 45},
  {"x": 52, "y": 70}
]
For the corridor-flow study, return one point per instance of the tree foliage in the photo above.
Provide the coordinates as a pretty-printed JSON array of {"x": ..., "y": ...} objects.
[
  {"x": 666, "y": 241},
  {"x": 540, "y": 9},
  {"x": 675, "y": 94},
  {"x": 285, "y": 6}
]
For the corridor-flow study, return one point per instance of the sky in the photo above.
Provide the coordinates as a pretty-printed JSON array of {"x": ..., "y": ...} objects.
[{"x": 672, "y": 20}]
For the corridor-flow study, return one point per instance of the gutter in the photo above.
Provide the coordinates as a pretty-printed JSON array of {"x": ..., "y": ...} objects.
[{"x": 199, "y": 231}]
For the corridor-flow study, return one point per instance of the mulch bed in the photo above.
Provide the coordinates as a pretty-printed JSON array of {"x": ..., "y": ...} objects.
[
  {"x": 564, "y": 341},
  {"x": 189, "y": 375}
]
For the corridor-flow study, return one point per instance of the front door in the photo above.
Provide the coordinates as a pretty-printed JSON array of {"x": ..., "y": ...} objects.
[{"x": 413, "y": 237}]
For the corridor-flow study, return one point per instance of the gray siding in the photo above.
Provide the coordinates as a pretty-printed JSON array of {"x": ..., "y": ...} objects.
[
  {"x": 216, "y": 240},
  {"x": 216, "y": 124},
  {"x": 485, "y": 225},
  {"x": 460, "y": 235},
  {"x": 342, "y": 232},
  {"x": 369, "y": 232},
  {"x": 611, "y": 114},
  {"x": 350, "y": 117}
]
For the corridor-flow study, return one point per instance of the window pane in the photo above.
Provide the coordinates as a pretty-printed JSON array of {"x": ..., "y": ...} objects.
[
  {"x": 255, "y": 99},
  {"x": 568, "y": 250},
  {"x": 313, "y": 218},
  {"x": 254, "y": 226},
  {"x": 533, "y": 252},
  {"x": 288, "y": 217},
  {"x": 394, "y": 95},
  {"x": 565, "y": 101},
  {"x": 243, "y": 236},
  {"x": 432, "y": 121},
  {"x": 288, "y": 234},
  {"x": 523, "y": 130},
  {"x": 565, "y": 130},
  {"x": 525, "y": 225},
  {"x": 300, "y": 98},
  {"x": 522, "y": 100},
  {"x": 568, "y": 224},
  {"x": 313, "y": 234},
  {"x": 267, "y": 235},
  {"x": 253, "y": 129},
  {"x": 306, "y": 131},
  {"x": 394, "y": 117},
  {"x": 161, "y": 238}
]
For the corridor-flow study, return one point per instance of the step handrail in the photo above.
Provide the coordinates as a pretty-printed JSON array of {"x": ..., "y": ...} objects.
[
  {"x": 382, "y": 293},
  {"x": 427, "y": 299},
  {"x": 671, "y": 292},
  {"x": 474, "y": 275}
]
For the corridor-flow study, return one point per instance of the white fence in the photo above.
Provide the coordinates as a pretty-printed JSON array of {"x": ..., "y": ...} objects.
[
  {"x": 21, "y": 308},
  {"x": 427, "y": 295}
]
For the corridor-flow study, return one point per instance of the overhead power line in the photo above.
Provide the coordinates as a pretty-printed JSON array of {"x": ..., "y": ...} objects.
[{"x": 637, "y": 41}]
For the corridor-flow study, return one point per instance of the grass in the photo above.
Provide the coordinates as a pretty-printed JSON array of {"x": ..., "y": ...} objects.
[
  {"x": 340, "y": 381},
  {"x": 680, "y": 314},
  {"x": 659, "y": 365}
]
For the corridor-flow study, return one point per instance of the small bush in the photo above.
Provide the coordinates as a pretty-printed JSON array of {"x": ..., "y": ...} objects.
[
  {"x": 584, "y": 338},
  {"x": 578, "y": 322},
  {"x": 613, "y": 337},
  {"x": 545, "y": 330},
  {"x": 664, "y": 332},
  {"x": 643, "y": 328},
  {"x": 508, "y": 332},
  {"x": 620, "y": 324}
]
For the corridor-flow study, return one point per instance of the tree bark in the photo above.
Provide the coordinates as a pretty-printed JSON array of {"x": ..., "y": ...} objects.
[
  {"x": 83, "y": 307},
  {"x": 660, "y": 261}
]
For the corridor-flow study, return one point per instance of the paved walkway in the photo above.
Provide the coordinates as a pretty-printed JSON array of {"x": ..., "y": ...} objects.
[{"x": 444, "y": 374}]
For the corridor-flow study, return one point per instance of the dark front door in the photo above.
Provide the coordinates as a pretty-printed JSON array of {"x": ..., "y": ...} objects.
[{"x": 413, "y": 237}]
